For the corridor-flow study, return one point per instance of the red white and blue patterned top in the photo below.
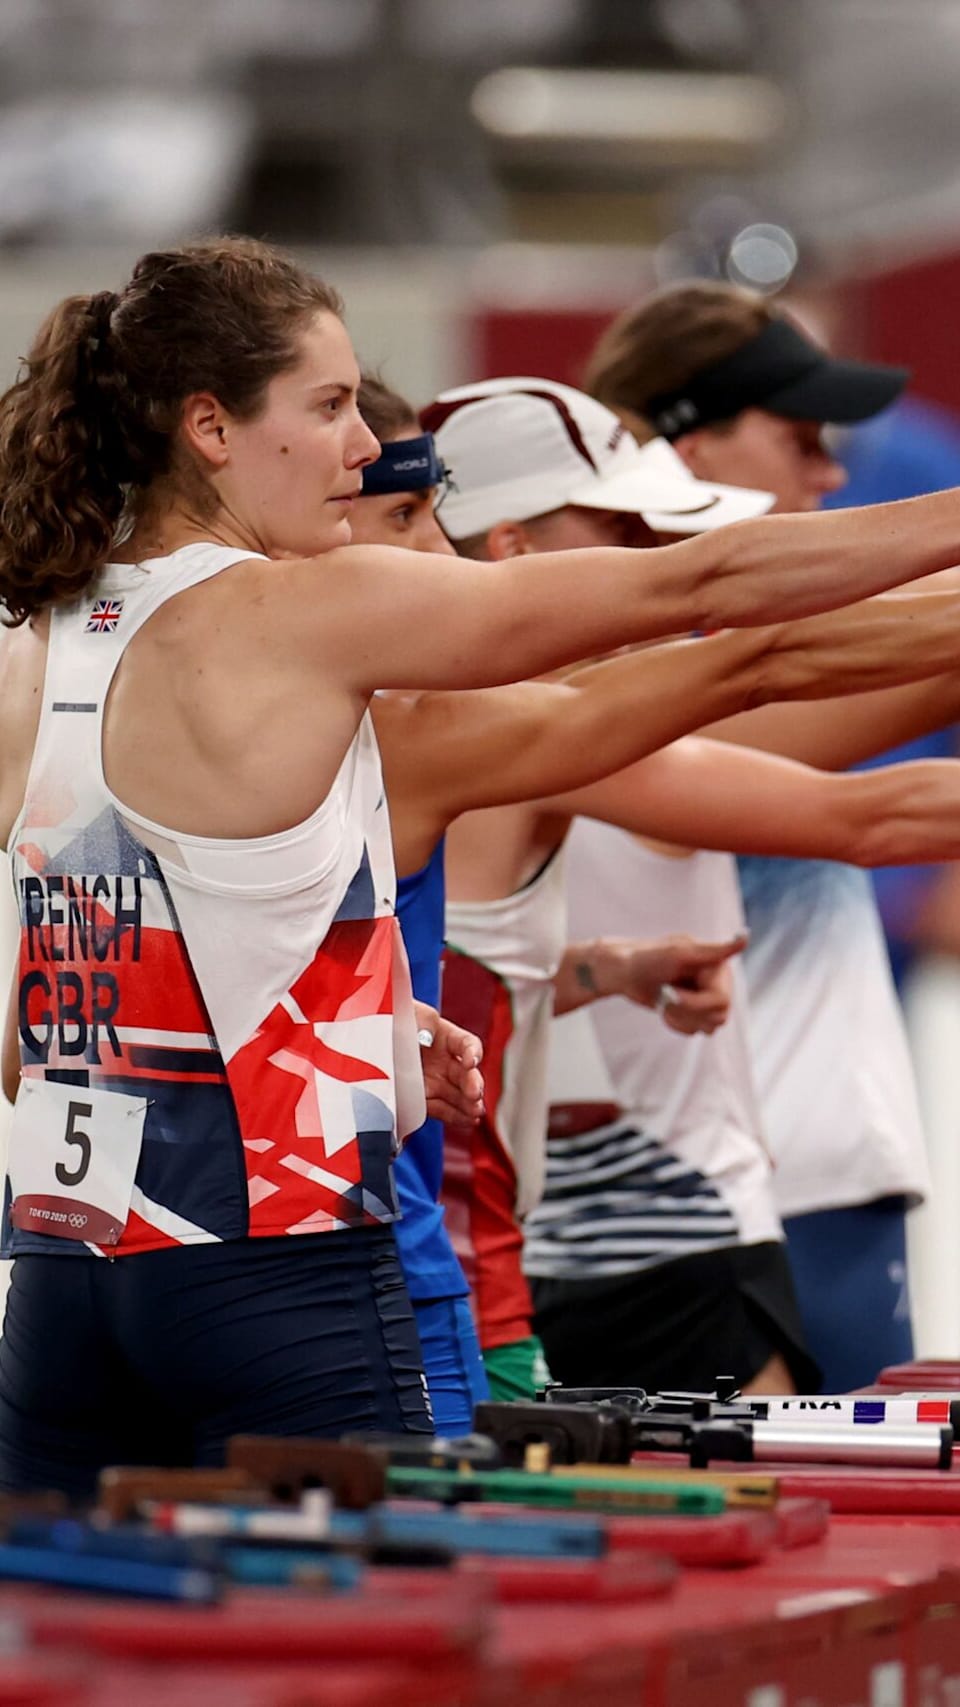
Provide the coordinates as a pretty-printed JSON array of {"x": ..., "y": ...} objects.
[{"x": 249, "y": 1000}]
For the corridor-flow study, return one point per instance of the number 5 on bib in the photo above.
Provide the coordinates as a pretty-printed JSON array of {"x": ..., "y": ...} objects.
[{"x": 73, "y": 1160}]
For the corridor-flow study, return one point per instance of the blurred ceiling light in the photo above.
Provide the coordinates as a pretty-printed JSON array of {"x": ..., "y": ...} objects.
[
  {"x": 658, "y": 117},
  {"x": 763, "y": 257}
]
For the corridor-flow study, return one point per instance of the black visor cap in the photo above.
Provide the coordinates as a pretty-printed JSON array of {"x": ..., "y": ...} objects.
[{"x": 782, "y": 371}]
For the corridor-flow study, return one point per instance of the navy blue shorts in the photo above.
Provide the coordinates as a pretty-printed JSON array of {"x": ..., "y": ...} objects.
[
  {"x": 850, "y": 1271},
  {"x": 157, "y": 1358}
]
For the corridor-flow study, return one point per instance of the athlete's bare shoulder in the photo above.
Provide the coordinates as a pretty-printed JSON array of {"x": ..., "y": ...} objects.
[
  {"x": 344, "y": 608},
  {"x": 349, "y": 567},
  {"x": 301, "y": 593},
  {"x": 341, "y": 559}
]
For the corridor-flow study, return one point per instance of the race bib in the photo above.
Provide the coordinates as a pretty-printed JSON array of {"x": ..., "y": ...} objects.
[{"x": 73, "y": 1159}]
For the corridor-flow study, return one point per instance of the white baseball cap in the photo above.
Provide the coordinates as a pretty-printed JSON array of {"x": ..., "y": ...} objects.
[{"x": 517, "y": 448}]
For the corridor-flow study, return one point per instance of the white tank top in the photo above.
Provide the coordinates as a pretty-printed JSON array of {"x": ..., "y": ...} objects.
[
  {"x": 684, "y": 1166},
  {"x": 832, "y": 1064},
  {"x": 520, "y": 939},
  {"x": 251, "y": 994}
]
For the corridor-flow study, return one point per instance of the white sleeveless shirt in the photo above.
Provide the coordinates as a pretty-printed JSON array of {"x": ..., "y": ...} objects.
[
  {"x": 244, "y": 1002},
  {"x": 684, "y": 1166},
  {"x": 833, "y": 1067},
  {"x": 519, "y": 939}
]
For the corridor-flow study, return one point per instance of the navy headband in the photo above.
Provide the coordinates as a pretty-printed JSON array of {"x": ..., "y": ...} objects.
[{"x": 404, "y": 465}]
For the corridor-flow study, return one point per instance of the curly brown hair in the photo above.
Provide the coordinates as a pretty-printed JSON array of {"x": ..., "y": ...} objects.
[{"x": 92, "y": 420}]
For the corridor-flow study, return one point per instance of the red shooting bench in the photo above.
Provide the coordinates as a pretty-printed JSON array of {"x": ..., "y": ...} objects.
[{"x": 847, "y": 1593}]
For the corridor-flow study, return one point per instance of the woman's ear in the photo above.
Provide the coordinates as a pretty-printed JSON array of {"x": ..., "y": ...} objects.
[
  {"x": 508, "y": 539},
  {"x": 689, "y": 447},
  {"x": 205, "y": 425}
]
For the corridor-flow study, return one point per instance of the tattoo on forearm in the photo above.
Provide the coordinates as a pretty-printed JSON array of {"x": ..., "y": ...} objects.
[{"x": 583, "y": 972}]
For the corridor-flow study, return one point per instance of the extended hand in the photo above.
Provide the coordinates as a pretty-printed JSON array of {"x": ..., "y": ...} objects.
[
  {"x": 696, "y": 991},
  {"x": 451, "y": 1068},
  {"x": 687, "y": 982}
]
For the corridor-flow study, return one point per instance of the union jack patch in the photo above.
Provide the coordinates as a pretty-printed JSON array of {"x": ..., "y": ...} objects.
[{"x": 104, "y": 616}]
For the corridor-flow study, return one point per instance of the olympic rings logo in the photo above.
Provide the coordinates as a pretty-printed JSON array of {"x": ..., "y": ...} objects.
[{"x": 76, "y": 1220}]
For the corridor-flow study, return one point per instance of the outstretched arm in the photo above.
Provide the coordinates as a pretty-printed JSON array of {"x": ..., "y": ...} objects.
[
  {"x": 444, "y": 754},
  {"x": 703, "y": 793},
  {"x": 430, "y": 622},
  {"x": 836, "y": 733},
  {"x": 448, "y": 753}
]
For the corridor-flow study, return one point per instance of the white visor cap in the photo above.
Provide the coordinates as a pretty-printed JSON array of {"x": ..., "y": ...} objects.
[{"x": 518, "y": 448}]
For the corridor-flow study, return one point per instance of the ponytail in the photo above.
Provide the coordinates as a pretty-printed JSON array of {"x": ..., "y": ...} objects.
[
  {"x": 93, "y": 419},
  {"x": 61, "y": 474}
]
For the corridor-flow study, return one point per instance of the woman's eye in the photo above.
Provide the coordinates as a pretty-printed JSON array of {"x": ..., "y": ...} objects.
[{"x": 402, "y": 516}]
